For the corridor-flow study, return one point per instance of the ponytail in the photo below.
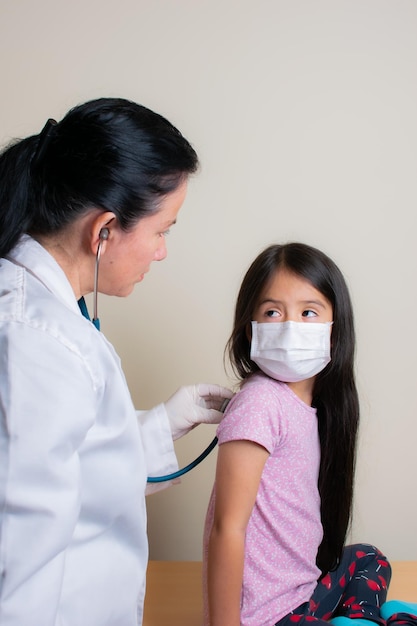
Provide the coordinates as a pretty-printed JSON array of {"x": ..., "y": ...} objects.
[{"x": 16, "y": 201}]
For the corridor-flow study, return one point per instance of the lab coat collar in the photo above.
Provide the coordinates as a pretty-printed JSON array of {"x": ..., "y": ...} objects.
[{"x": 36, "y": 259}]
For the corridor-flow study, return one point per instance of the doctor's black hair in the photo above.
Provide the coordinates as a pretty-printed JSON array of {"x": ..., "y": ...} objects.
[
  {"x": 108, "y": 153},
  {"x": 334, "y": 395}
]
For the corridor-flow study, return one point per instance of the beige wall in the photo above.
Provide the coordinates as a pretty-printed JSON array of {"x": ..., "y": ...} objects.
[{"x": 304, "y": 116}]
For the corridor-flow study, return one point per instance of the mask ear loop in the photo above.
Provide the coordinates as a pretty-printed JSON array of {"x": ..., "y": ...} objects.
[{"x": 103, "y": 235}]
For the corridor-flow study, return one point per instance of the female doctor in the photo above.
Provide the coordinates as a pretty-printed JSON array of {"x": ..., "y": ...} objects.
[{"x": 84, "y": 207}]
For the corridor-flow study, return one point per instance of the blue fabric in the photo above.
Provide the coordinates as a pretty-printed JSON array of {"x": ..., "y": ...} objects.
[
  {"x": 83, "y": 308},
  {"x": 392, "y": 607},
  {"x": 84, "y": 311},
  {"x": 346, "y": 621}
]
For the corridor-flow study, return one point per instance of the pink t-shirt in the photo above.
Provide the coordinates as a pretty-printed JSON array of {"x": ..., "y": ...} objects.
[{"x": 284, "y": 529}]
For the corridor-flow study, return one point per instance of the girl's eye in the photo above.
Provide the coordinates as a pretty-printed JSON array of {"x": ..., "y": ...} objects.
[
  {"x": 271, "y": 313},
  {"x": 309, "y": 313}
]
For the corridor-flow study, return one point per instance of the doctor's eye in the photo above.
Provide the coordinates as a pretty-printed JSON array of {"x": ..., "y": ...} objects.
[{"x": 165, "y": 233}]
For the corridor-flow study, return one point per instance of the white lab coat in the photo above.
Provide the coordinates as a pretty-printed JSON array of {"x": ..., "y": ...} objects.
[{"x": 74, "y": 456}]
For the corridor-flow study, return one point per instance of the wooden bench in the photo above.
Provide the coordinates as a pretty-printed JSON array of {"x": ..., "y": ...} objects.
[{"x": 173, "y": 595}]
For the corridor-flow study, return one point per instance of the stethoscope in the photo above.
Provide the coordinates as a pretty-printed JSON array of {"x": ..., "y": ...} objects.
[
  {"x": 193, "y": 464},
  {"x": 187, "y": 468},
  {"x": 103, "y": 235}
]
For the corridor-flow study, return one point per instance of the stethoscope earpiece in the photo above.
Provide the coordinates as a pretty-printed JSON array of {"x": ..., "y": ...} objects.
[{"x": 104, "y": 234}]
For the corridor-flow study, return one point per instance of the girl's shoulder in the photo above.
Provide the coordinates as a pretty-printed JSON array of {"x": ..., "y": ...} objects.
[
  {"x": 255, "y": 413},
  {"x": 261, "y": 385}
]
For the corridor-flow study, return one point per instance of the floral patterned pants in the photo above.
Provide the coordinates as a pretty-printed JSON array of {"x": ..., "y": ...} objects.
[{"x": 355, "y": 589}]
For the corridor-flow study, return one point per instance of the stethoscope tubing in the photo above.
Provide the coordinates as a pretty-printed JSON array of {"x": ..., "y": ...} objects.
[
  {"x": 187, "y": 468},
  {"x": 193, "y": 464}
]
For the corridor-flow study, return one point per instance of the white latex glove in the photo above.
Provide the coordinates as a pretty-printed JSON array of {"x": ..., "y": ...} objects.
[{"x": 195, "y": 404}]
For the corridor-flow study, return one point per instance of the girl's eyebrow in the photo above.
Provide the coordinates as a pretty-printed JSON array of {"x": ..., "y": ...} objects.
[
  {"x": 269, "y": 300},
  {"x": 316, "y": 302},
  {"x": 303, "y": 302}
]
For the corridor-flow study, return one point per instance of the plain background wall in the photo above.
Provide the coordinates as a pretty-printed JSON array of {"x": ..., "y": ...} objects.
[{"x": 304, "y": 117}]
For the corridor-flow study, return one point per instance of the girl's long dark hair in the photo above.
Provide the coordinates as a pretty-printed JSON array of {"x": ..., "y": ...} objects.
[
  {"x": 108, "y": 153},
  {"x": 334, "y": 396}
]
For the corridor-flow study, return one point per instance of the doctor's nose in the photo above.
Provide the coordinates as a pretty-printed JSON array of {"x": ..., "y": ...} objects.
[{"x": 161, "y": 251}]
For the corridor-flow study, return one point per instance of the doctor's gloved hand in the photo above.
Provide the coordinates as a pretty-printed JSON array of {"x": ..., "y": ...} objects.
[{"x": 195, "y": 404}]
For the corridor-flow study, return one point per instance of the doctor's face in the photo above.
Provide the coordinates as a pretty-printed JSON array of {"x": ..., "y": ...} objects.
[{"x": 128, "y": 255}]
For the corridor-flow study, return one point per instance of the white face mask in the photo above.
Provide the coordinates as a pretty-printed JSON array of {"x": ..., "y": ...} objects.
[{"x": 291, "y": 351}]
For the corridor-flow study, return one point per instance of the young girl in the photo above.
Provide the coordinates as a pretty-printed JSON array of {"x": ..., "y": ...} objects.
[{"x": 280, "y": 509}]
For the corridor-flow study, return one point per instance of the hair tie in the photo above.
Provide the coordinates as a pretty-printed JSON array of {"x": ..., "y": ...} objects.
[{"x": 44, "y": 139}]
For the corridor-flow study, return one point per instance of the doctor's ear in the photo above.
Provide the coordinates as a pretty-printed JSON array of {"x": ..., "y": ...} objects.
[{"x": 101, "y": 230}]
